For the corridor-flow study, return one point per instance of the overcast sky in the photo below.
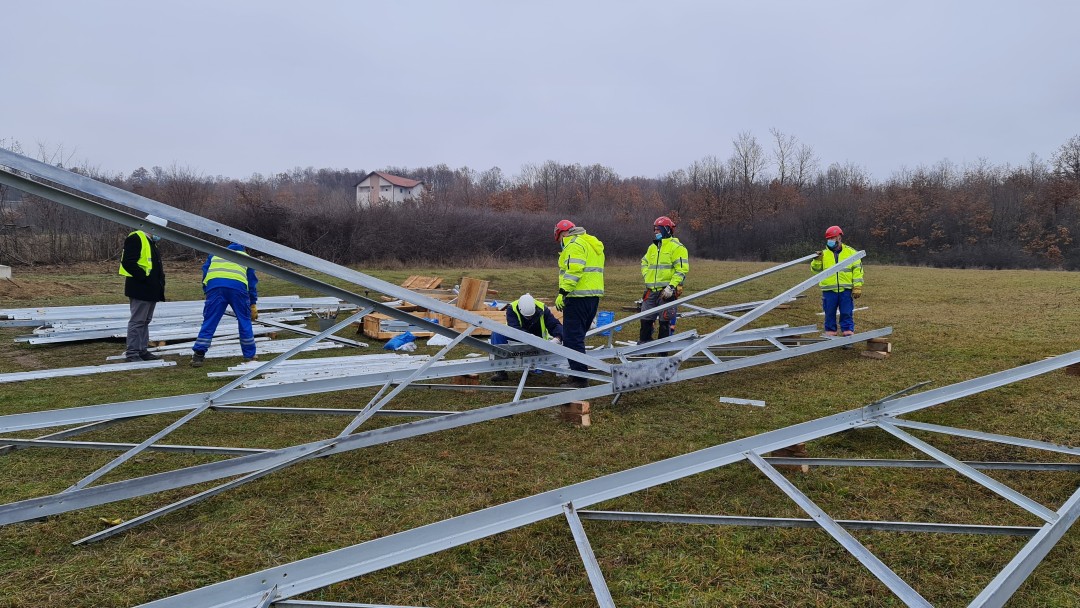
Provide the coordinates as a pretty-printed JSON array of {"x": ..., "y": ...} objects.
[{"x": 238, "y": 87}]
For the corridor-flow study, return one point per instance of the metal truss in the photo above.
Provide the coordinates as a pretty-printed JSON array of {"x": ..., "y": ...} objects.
[
  {"x": 281, "y": 585},
  {"x": 618, "y": 370}
]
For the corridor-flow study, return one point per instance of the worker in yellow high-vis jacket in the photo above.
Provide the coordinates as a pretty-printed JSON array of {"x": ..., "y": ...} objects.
[
  {"x": 840, "y": 289},
  {"x": 233, "y": 285},
  {"x": 663, "y": 268},
  {"x": 144, "y": 286},
  {"x": 581, "y": 285}
]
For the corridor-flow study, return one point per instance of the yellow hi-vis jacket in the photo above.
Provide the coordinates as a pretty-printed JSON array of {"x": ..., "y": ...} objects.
[
  {"x": 666, "y": 264},
  {"x": 848, "y": 278},
  {"x": 581, "y": 265},
  {"x": 144, "y": 255},
  {"x": 220, "y": 268},
  {"x": 521, "y": 321}
]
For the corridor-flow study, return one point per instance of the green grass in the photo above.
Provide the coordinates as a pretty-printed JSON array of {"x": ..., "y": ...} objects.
[{"x": 949, "y": 325}]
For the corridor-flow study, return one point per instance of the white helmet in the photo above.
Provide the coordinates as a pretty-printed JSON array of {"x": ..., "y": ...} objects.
[
  {"x": 153, "y": 219},
  {"x": 527, "y": 305}
]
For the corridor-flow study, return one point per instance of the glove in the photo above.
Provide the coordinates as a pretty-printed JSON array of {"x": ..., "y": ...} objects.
[
  {"x": 855, "y": 293},
  {"x": 820, "y": 256},
  {"x": 555, "y": 340},
  {"x": 254, "y": 312},
  {"x": 667, "y": 293},
  {"x": 559, "y": 303}
]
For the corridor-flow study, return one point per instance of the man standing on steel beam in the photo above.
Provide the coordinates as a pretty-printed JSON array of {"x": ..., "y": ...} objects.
[
  {"x": 663, "y": 269},
  {"x": 581, "y": 285},
  {"x": 841, "y": 289},
  {"x": 144, "y": 287},
  {"x": 227, "y": 284}
]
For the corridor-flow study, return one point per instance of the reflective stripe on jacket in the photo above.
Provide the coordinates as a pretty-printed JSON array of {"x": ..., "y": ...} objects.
[
  {"x": 144, "y": 255},
  {"x": 848, "y": 278},
  {"x": 665, "y": 265},
  {"x": 581, "y": 265},
  {"x": 220, "y": 268},
  {"x": 539, "y": 310}
]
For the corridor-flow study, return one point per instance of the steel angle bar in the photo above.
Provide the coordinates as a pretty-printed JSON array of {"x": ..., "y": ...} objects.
[
  {"x": 307, "y": 332},
  {"x": 1005, "y": 584},
  {"x": 269, "y": 365},
  {"x": 592, "y": 568},
  {"x": 156, "y": 513},
  {"x": 80, "y": 430},
  {"x": 699, "y": 294},
  {"x": 992, "y": 437},
  {"x": 792, "y": 522},
  {"x": 121, "y": 459},
  {"x": 24, "y": 166},
  {"x": 34, "y": 508},
  {"x": 101, "y": 445},
  {"x": 521, "y": 385},
  {"x": 322, "y": 570},
  {"x": 768, "y": 305},
  {"x": 1068, "y": 467},
  {"x": 328, "y": 411},
  {"x": 880, "y": 571},
  {"x": 982, "y": 479},
  {"x": 82, "y": 371},
  {"x": 709, "y": 311},
  {"x": 320, "y": 604},
  {"x": 371, "y": 409}
]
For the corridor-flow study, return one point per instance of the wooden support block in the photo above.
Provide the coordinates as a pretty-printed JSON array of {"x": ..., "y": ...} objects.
[
  {"x": 1073, "y": 370},
  {"x": 874, "y": 354},
  {"x": 575, "y": 407},
  {"x": 467, "y": 380},
  {"x": 875, "y": 344},
  {"x": 576, "y": 419},
  {"x": 792, "y": 451},
  {"x": 471, "y": 293}
]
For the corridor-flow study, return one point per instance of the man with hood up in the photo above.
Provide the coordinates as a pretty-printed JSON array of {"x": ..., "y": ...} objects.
[
  {"x": 233, "y": 285},
  {"x": 581, "y": 285}
]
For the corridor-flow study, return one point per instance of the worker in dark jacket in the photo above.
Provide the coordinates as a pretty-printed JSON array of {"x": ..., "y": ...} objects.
[
  {"x": 227, "y": 284},
  {"x": 144, "y": 287},
  {"x": 532, "y": 317}
]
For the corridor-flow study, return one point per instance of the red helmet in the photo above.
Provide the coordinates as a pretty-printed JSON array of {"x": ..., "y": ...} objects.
[
  {"x": 562, "y": 227},
  {"x": 833, "y": 232},
  {"x": 664, "y": 220}
]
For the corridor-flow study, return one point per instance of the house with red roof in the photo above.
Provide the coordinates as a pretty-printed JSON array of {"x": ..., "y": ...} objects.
[{"x": 382, "y": 188}]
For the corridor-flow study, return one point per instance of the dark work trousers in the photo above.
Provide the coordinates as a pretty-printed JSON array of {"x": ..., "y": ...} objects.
[
  {"x": 138, "y": 334},
  {"x": 830, "y": 301},
  {"x": 654, "y": 301},
  {"x": 578, "y": 315}
]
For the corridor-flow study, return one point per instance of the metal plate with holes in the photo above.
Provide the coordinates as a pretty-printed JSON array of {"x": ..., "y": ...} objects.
[{"x": 637, "y": 375}]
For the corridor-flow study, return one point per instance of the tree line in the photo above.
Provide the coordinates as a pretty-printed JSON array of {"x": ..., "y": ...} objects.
[{"x": 767, "y": 200}]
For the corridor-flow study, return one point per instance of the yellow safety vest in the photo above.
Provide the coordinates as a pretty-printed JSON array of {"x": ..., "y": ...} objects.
[
  {"x": 144, "y": 256},
  {"x": 665, "y": 265},
  {"x": 539, "y": 310},
  {"x": 581, "y": 266},
  {"x": 220, "y": 268},
  {"x": 850, "y": 277}
]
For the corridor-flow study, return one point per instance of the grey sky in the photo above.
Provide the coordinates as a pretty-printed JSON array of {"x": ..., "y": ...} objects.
[{"x": 232, "y": 88}]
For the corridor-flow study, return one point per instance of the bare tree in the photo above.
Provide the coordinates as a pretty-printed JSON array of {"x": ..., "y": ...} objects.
[{"x": 1066, "y": 160}]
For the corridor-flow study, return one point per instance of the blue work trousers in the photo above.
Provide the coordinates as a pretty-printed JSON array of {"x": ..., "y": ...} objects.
[
  {"x": 217, "y": 298},
  {"x": 830, "y": 301},
  {"x": 578, "y": 315}
]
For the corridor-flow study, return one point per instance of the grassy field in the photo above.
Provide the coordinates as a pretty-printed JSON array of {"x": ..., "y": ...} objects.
[{"x": 950, "y": 325}]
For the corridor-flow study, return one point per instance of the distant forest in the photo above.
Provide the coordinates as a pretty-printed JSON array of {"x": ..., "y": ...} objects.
[{"x": 768, "y": 200}]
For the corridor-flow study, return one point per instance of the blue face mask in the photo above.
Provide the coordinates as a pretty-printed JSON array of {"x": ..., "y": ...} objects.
[
  {"x": 831, "y": 243},
  {"x": 658, "y": 236}
]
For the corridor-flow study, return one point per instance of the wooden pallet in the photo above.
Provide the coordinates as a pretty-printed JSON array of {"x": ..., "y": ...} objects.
[
  {"x": 371, "y": 329},
  {"x": 419, "y": 282}
]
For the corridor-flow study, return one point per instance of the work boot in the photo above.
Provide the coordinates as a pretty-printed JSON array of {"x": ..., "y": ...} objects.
[
  {"x": 148, "y": 356},
  {"x": 848, "y": 332},
  {"x": 829, "y": 334},
  {"x": 132, "y": 358},
  {"x": 250, "y": 359},
  {"x": 197, "y": 359},
  {"x": 574, "y": 382},
  {"x": 500, "y": 376}
]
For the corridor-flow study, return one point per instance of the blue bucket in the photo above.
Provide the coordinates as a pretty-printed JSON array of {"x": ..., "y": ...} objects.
[{"x": 605, "y": 317}]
